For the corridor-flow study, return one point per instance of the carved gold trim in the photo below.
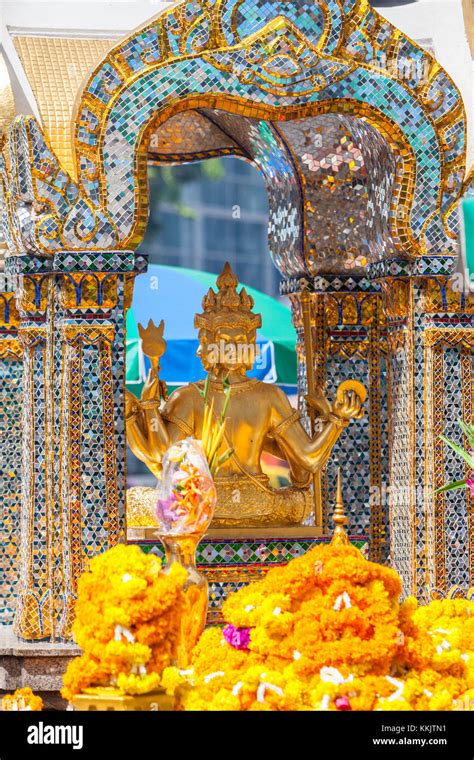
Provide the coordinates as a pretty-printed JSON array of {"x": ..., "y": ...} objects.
[
  {"x": 451, "y": 336},
  {"x": 56, "y": 68},
  {"x": 89, "y": 334},
  {"x": 10, "y": 348}
]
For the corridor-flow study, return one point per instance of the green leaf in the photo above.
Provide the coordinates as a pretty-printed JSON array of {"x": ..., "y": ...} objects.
[
  {"x": 468, "y": 431},
  {"x": 225, "y": 457},
  {"x": 205, "y": 391},
  {"x": 452, "y": 486},
  {"x": 226, "y": 402},
  {"x": 459, "y": 450},
  {"x": 216, "y": 466}
]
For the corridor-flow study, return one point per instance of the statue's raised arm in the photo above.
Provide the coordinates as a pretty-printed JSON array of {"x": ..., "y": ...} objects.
[
  {"x": 302, "y": 452},
  {"x": 147, "y": 432}
]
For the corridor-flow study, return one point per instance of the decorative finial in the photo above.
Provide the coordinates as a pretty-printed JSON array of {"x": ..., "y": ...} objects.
[{"x": 340, "y": 537}]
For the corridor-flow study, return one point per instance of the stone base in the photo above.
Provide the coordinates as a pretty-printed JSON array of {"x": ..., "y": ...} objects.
[
  {"x": 232, "y": 558},
  {"x": 38, "y": 664}
]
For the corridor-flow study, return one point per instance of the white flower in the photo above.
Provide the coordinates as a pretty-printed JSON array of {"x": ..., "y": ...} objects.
[
  {"x": 237, "y": 688},
  {"x": 342, "y": 599},
  {"x": 211, "y": 676},
  {"x": 297, "y": 655},
  {"x": 333, "y": 675},
  {"x": 445, "y": 645},
  {"x": 121, "y": 631},
  {"x": 175, "y": 454},
  {"x": 399, "y": 688},
  {"x": 249, "y": 608},
  {"x": 127, "y": 577},
  {"x": 277, "y": 611},
  {"x": 325, "y": 702},
  {"x": 186, "y": 672},
  {"x": 264, "y": 687}
]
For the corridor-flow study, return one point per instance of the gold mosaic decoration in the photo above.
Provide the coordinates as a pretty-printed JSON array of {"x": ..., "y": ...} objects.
[{"x": 56, "y": 68}]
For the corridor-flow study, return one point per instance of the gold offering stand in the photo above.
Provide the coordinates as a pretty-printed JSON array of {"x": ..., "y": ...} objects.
[{"x": 109, "y": 700}]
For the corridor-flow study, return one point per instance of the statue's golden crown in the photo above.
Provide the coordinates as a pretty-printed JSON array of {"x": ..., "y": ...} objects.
[{"x": 227, "y": 307}]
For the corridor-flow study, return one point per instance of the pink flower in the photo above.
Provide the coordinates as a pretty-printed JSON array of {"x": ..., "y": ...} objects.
[
  {"x": 470, "y": 483},
  {"x": 167, "y": 509},
  {"x": 239, "y": 638},
  {"x": 342, "y": 703}
]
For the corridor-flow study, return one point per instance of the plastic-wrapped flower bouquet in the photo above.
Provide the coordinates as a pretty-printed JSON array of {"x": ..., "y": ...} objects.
[{"x": 186, "y": 492}]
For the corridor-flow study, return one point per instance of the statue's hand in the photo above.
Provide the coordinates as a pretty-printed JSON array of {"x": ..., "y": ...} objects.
[
  {"x": 131, "y": 404},
  {"x": 350, "y": 408},
  {"x": 163, "y": 390},
  {"x": 319, "y": 403},
  {"x": 152, "y": 388}
]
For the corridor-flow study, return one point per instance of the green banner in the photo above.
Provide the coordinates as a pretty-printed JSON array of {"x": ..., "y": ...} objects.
[{"x": 467, "y": 206}]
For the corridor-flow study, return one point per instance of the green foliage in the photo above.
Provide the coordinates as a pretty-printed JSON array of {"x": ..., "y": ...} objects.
[
  {"x": 468, "y": 456},
  {"x": 167, "y": 182}
]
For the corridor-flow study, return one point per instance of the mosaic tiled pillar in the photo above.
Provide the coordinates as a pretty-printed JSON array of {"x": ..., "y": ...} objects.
[
  {"x": 72, "y": 329},
  {"x": 10, "y": 449},
  {"x": 402, "y": 455},
  {"x": 430, "y": 338},
  {"x": 349, "y": 341}
]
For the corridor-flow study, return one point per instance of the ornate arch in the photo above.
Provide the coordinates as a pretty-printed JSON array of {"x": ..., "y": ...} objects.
[{"x": 275, "y": 62}]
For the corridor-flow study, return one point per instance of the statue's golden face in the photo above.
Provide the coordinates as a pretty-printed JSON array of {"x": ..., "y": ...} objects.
[{"x": 228, "y": 348}]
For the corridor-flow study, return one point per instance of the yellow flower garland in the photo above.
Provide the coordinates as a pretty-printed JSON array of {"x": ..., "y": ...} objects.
[
  {"x": 327, "y": 632},
  {"x": 127, "y": 623},
  {"x": 22, "y": 700}
]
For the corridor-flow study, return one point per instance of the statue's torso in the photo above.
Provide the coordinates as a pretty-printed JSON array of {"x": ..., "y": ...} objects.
[
  {"x": 245, "y": 497},
  {"x": 248, "y": 421}
]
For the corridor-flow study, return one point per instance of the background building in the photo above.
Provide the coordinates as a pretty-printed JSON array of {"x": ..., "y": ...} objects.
[{"x": 202, "y": 215}]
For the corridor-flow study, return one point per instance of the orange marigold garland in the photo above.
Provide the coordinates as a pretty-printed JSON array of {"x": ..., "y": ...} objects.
[
  {"x": 127, "y": 623},
  {"x": 327, "y": 632},
  {"x": 23, "y": 700}
]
